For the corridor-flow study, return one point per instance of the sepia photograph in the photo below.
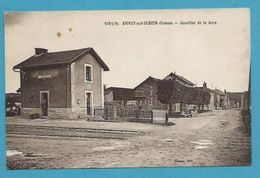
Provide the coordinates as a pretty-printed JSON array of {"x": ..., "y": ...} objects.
[{"x": 128, "y": 88}]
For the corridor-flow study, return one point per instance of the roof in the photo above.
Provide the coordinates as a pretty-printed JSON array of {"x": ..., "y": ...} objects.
[
  {"x": 59, "y": 58},
  {"x": 235, "y": 95},
  {"x": 121, "y": 93},
  {"x": 174, "y": 75},
  {"x": 19, "y": 90},
  {"x": 217, "y": 91},
  {"x": 149, "y": 78},
  {"x": 205, "y": 89}
]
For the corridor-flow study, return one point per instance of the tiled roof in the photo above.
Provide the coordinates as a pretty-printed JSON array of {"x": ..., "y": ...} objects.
[
  {"x": 172, "y": 75},
  {"x": 205, "y": 89},
  {"x": 149, "y": 78},
  {"x": 217, "y": 91},
  {"x": 235, "y": 95},
  {"x": 121, "y": 93},
  {"x": 58, "y": 58}
]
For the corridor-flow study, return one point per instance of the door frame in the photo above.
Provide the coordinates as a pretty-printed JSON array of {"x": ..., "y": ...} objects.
[
  {"x": 91, "y": 104},
  {"x": 48, "y": 95}
]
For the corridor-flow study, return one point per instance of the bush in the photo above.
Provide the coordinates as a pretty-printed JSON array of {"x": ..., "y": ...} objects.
[{"x": 171, "y": 91}]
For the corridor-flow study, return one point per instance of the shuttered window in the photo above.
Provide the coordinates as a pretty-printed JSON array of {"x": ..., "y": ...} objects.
[{"x": 88, "y": 73}]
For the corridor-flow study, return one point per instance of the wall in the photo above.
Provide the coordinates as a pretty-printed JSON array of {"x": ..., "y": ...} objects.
[
  {"x": 210, "y": 106},
  {"x": 109, "y": 97},
  {"x": 56, "y": 80},
  {"x": 217, "y": 101},
  {"x": 79, "y": 86},
  {"x": 150, "y": 101}
]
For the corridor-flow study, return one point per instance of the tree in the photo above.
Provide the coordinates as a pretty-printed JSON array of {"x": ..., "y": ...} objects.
[{"x": 171, "y": 91}]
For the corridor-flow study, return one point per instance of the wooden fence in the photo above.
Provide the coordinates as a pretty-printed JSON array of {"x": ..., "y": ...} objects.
[{"x": 116, "y": 111}]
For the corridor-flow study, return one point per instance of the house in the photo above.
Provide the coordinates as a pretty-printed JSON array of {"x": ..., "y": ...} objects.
[
  {"x": 235, "y": 99},
  {"x": 118, "y": 94},
  {"x": 146, "y": 92},
  {"x": 64, "y": 84},
  {"x": 177, "y": 107},
  {"x": 180, "y": 79},
  {"x": 211, "y": 105},
  {"x": 239, "y": 99},
  {"x": 221, "y": 100}
]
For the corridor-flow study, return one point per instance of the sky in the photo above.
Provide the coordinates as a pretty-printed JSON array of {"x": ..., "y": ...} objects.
[{"x": 218, "y": 53}]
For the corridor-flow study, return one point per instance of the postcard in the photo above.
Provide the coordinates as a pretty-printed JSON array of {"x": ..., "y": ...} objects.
[{"x": 128, "y": 88}]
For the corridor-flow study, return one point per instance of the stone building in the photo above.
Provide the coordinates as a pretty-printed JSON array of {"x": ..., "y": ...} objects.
[
  {"x": 221, "y": 100},
  {"x": 211, "y": 105},
  {"x": 64, "y": 84},
  {"x": 236, "y": 99},
  {"x": 178, "y": 107},
  {"x": 146, "y": 92},
  {"x": 118, "y": 94},
  {"x": 180, "y": 79},
  {"x": 239, "y": 100}
]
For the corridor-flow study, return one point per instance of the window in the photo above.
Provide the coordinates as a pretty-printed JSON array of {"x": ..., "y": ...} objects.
[{"x": 88, "y": 73}]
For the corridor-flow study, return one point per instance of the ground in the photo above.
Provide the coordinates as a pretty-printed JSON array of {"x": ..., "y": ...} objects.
[{"x": 216, "y": 138}]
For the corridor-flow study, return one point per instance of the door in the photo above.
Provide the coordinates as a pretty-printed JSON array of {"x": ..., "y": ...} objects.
[
  {"x": 44, "y": 103},
  {"x": 89, "y": 103}
]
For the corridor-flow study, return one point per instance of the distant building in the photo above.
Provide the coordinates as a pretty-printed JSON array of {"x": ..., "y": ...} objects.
[
  {"x": 239, "y": 99},
  {"x": 177, "y": 107},
  {"x": 180, "y": 79},
  {"x": 16, "y": 97},
  {"x": 12, "y": 103},
  {"x": 221, "y": 100},
  {"x": 118, "y": 94},
  {"x": 211, "y": 105},
  {"x": 235, "y": 99},
  {"x": 65, "y": 84},
  {"x": 146, "y": 92}
]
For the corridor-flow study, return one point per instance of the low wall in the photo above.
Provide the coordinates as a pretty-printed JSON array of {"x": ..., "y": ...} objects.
[
  {"x": 26, "y": 112},
  {"x": 61, "y": 113}
]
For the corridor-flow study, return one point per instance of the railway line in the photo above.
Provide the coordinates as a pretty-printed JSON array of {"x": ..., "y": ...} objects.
[{"x": 56, "y": 131}]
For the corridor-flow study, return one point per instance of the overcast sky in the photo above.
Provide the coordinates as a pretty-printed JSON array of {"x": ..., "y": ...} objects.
[{"x": 216, "y": 53}]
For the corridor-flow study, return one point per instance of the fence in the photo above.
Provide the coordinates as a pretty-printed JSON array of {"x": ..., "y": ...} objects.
[{"x": 117, "y": 111}]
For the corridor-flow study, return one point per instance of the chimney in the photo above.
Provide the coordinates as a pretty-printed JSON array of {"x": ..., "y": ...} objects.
[
  {"x": 204, "y": 84},
  {"x": 39, "y": 51}
]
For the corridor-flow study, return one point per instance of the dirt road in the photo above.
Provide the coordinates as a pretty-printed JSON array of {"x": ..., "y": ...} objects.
[{"x": 216, "y": 138}]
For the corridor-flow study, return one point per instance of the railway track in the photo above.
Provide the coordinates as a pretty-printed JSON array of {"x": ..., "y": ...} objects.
[{"x": 56, "y": 131}]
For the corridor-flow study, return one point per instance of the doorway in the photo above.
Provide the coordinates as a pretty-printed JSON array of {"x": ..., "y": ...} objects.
[{"x": 89, "y": 102}]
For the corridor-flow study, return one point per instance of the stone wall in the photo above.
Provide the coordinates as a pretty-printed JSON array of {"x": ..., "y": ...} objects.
[
  {"x": 26, "y": 112},
  {"x": 61, "y": 113}
]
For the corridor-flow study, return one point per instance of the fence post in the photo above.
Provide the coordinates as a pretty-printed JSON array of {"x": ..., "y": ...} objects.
[
  {"x": 166, "y": 118},
  {"x": 151, "y": 116},
  {"x": 106, "y": 113},
  {"x": 114, "y": 113}
]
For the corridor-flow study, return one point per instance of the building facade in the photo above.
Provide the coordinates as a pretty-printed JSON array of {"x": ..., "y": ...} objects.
[
  {"x": 213, "y": 98},
  {"x": 118, "y": 94},
  {"x": 146, "y": 94},
  {"x": 65, "y": 84},
  {"x": 178, "y": 107}
]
